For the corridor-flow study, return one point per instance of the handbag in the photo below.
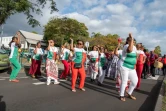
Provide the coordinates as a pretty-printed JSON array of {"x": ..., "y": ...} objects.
[
  {"x": 104, "y": 67},
  {"x": 77, "y": 65}
]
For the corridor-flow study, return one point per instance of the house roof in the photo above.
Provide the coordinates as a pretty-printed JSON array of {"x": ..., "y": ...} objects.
[{"x": 29, "y": 35}]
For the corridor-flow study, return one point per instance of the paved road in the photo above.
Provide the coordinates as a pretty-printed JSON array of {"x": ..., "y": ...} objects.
[{"x": 34, "y": 95}]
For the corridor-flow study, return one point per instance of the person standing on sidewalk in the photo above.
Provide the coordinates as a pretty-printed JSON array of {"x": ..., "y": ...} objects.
[
  {"x": 36, "y": 61},
  {"x": 65, "y": 52},
  {"x": 153, "y": 57},
  {"x": 141, "y": 57},
  {"x": 51, "y": 65},
  {"x": 127, "y": 68},
  {"x": 102, "y": 66},
  {"x": 164, "y": 64},
  {"x": 14, "y": 45},
  {"x": 93, "y": 56},
  {"x": 78, "y": 65}
]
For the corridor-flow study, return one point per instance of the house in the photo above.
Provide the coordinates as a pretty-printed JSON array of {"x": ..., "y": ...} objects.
[
  {"x": 29, "y": 39},
  {"x": 5, "y": 40}
]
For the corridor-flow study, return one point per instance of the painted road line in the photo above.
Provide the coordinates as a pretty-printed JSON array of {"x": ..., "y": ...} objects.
[
  {"x": 23, "y": 77},
  {"x": 154, "y": 78},
  {"x": 39, "y": 83},
  {"x": 62, "y": 80},
  {"x": 4, "y": 77}
]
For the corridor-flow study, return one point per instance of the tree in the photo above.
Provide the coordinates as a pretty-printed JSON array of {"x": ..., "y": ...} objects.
[
  {"x": 11, "y": 7},
  {"x": 62, "y": 29},
  {"x": 157, "y": 50},
  {"x": 34, "y": 32},
  {"x": 109, "y": 41}
]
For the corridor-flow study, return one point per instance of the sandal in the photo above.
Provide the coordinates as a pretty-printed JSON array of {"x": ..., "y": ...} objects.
[
  {"x": 122, "y": 98},
  {"x": 15, "y": 80},
  {"x": 131, "y": 97}
]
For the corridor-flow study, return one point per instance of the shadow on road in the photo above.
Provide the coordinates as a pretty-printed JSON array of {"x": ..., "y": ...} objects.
[
  {"x": 150, "y": 102},
  {"x": 2, "y": 104}
]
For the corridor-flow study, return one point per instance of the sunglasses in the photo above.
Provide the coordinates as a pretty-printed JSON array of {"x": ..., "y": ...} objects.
[{"x": 79, "y": 43}]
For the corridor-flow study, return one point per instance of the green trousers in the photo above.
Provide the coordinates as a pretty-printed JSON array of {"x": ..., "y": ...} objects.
[{"x": 16, "y": 67}]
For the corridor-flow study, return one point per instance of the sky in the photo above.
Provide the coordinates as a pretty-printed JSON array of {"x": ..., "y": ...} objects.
[{"x": 145, "y": 19}]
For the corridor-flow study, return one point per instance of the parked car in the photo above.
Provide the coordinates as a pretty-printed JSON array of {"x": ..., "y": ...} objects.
[{"x": 4, "y": 60}]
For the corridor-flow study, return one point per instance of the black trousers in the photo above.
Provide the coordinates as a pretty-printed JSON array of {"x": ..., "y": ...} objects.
[
  {"x": 152, "y": 70},
  {"x": 164, "y": 69}
]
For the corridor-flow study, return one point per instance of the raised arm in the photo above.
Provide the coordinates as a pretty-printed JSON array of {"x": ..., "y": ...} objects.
[
  {"x": 48, "y": 48},
  {"x": 18, "y": 41},
  {"x": 131, "y": 44},
  {"x": 71, "y": 45},
  {"x": 116, "y": 49}
]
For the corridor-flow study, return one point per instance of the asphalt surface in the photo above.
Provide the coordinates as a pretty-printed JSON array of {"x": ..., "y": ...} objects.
[{"x": 34, "y": 95}]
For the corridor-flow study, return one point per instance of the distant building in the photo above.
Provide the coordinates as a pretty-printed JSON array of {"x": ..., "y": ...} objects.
[
  {"x": 6, "y": 40},
  {"x": 29, "y": 39}
]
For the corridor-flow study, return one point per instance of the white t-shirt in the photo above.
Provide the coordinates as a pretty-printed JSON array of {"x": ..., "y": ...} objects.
[
  {"x": 94, "y": 54},
  {"x": 38, "y": 54},
  {"x": 66, "y": 53},
  {"x": 14, "y": 50},
  {"x": 129, "y": 59},
  {"x": 141, "y": 52},
  {"x": 78, "y": 55},
  {"x": 51, "y": 52}
]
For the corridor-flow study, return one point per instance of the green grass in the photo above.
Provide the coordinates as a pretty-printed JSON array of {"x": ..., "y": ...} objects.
[{"x": 164, "y": 98}]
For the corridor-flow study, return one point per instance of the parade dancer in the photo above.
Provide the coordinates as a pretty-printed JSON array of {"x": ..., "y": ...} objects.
[
  {"x": 51, "y": 65},
  {"x": 141, "y": 57},
  {"x": 127, "y": 68},
  {"x": 14, "y": 45},
  {"x": 65, "y": 52},
  {"x": 102, "y": 66},
  {"x": 78, "y": 64},
  {"x": 36, "y": 61},
  {"x": 93, "y": 56}
]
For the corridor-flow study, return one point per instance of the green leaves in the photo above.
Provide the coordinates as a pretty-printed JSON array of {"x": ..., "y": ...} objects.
[
  {"x": 62, "y": 29},
  {"x": 10, "y": 7},
  {"x": 157, "y": 50}
]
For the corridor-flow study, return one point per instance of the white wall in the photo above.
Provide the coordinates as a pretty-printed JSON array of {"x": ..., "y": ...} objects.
[{"x": 6, "y": 40}]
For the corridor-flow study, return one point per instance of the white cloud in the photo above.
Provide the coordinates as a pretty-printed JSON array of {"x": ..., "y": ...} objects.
[{"x": 117, "y": 8}]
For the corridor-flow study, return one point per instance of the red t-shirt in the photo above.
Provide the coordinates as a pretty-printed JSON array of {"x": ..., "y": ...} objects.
[
  {"x": 164, "y": 60},
  {"x": 153, "y": 58},
  {"x": 147, "y": 59}
]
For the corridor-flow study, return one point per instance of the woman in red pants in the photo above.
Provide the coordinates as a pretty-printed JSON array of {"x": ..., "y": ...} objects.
[
  {"x": 65, "y": 60},
  {"x": 141, "y": 57},
  {"x": 77, "y": 64}
]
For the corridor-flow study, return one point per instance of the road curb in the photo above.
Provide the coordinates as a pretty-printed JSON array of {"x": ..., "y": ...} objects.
[{"x": 158, "y": 106}]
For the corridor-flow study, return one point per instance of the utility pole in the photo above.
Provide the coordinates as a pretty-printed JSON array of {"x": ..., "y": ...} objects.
[{"x": 1, "y": 34}]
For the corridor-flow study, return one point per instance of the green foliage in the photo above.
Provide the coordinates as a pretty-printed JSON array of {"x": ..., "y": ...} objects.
[
  {"x": 109, "y": 41},
  {"x": 62, "y": 29},
  {"x": 34, "y": 32},
  {"x": 11, "y": 7},
  {"x": 157, "y": 50}
]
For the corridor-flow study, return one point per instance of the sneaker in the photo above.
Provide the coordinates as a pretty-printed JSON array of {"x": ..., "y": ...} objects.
[
  {"x": 82, "y": 89},
  {"x": 48, "y": 83},
  {"x": 73, "y": 90},
  {"x": 56, "y": 82}
]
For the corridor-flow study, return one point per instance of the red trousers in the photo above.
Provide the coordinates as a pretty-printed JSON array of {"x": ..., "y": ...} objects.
[
  {"x": 75, "y": 73},
  {"x": 66, "y": 69},
  {"x": 139, "y": 69},
  {"x": 35, "y": 67}
]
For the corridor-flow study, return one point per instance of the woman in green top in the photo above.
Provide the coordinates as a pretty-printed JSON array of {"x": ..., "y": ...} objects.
[
  {"x": 14, "y": 45},
  {"x": 127, "y": 68},
  {"x": 36, "y": 61}
]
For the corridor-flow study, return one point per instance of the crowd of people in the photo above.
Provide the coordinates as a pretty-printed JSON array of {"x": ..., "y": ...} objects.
[{"x": 126, "y": 64}]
